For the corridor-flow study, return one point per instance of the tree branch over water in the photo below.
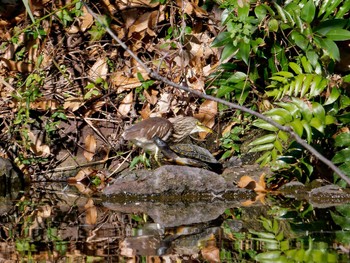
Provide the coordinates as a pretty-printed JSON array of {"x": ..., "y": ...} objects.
[{"x": 199, "y": 94}]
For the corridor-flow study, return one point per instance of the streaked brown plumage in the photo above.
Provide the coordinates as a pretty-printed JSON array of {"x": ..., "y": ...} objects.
[{"x": 174, "y": 130}]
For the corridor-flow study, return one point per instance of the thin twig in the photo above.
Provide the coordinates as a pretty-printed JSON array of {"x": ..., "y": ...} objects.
[{"x": 156, "y": 76}]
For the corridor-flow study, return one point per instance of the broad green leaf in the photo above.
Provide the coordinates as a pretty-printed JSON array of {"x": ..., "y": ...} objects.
[
  {"x": 264, "y": 125},
  {"x": 265, "y": 158},
  {"x": 243, "y": 12},
  {"x": 300, "y": 40},
  {"x": 329, "y": 47},
  {"x": 338, "y": 34},
  {"x": 279, "y": 119},
  {"x": 296, "y": 68},
  {"x": 280, "y": 112},
  {"x": 304, "y": 108},
  {"x": 268, "y": 256},
  {"x": 317, "y": 124},
  {"x": 241, "y": 97},
  {"x": 290, "y": 107},
  {"x": 229, "y": 51},
  {"x": 281, "y": 12},
  {"x": 298, "y": 84},
  {"x": 308, "y": 130},
  {"x": 222, "y": 39},
  {"x": 284, "y": 136},
  {"x": 342, "y": 221},
  {"x": 335, "y": 93},
  {"x": 306, "y": 85},
  {"x": 278, "y": 146},
  {"x": 285, "y": 74},
  {"x": 312, "y": 57},
  {"x": 264, "y": 139},
  {"x": 315, "y": 87},
  {"x": 342, "y": 139},
  {"x": 297, "y": 127},
  {"x": 243, "y": 52},
  {"x": 342, "y": 156},
  {"x": 345, "y": 168},
  {"x": 308, "y": 12},
  {"x": 263, "y": 147},
  {"x": 273, "y": 25},
  {"x": 238, "y": 76},
  {"x": 260, "y": 12},
  {"x": 306, "y": 65},
  {"x": 224, "y": 89},
  {"x": 279, "y": 79},
  {"x": 318, "y": 111},
  {"x": 330, "y": 120}
]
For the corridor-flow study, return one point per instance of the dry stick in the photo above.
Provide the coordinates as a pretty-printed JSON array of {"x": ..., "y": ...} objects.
[{"x": 288, "y": 129}]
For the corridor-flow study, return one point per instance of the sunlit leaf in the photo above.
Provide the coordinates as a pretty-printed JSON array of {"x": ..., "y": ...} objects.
[
  {"x": 260, "y": 12},
  {"x": 244, "y": 51},
  {"x": 317, "y": 124},
  {"x": 342, "y": 139},
  {"x": 308, "y": 130},
  {"x": 318, "y": 111},
  {"x": 297, "y": 126},
  {"x": 308, "y": 11},
  {"x": 338, "y": 34},
  {"x": 264, "y": 139},
  {"x": 222, "y": 39},
  {"x": 264, "y": 125},
  {"x": 329, "y": 46},
  {"x": 229, "y": 51},
  {"x": 263, "y": 147},
  {"x": 342, "y": 156},
  {"x": 296, "y": 68}
]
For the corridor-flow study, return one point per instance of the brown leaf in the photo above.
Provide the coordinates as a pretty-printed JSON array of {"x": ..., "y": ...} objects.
[
  {"x": 146, "y": 111},
  {"x": 99, "y": 69},
  {"x": 86, "y": 20},
  {"x": 151, "y": 96},
  {"x": 73, "y": 103},
  {"x": 81, "y": 175},
  {"x": 126, "y": 104},
  {"x": 118, "y": 79},
  {"x": 249, "y": 183},
  {"x": 206, "y": 115},
  {"x": 164, "y": 103},
  {"x": 91, "y": 212},
  {"x": 37, "y": 146},
  {"x": 44, "y": 104},
  {"x": 211, "y": 253},
  {"x": 90, "y": 147}
]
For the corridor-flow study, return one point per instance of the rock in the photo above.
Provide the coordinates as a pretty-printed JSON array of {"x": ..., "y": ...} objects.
[{"x": 168, "y": 179}]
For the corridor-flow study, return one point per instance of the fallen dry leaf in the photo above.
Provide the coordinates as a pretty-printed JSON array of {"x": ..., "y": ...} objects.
[
  {"x": 44, "y": 104},
  {"x": 126, "y": 104},
  {"x": 151, "y": 96},
  {"x": 206, "y": 114},
  {"x": 146, "y": 111},
  {"x": 91, "y": 212},
  {"x": 90, "y": 147},
  {"x": 84, "y": 173},
  {"x": 119, "y": 80},
  {"x": 249, "y": 183},
  {"x": 99, "y": 69},
  {"x": 37, "y": 146},
  {"x": 211, "y": 252},
  {"x": 73, "y": 103}
]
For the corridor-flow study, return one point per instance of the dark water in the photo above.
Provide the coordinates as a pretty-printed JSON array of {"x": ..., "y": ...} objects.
[{"x": 58, "y": 223}]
